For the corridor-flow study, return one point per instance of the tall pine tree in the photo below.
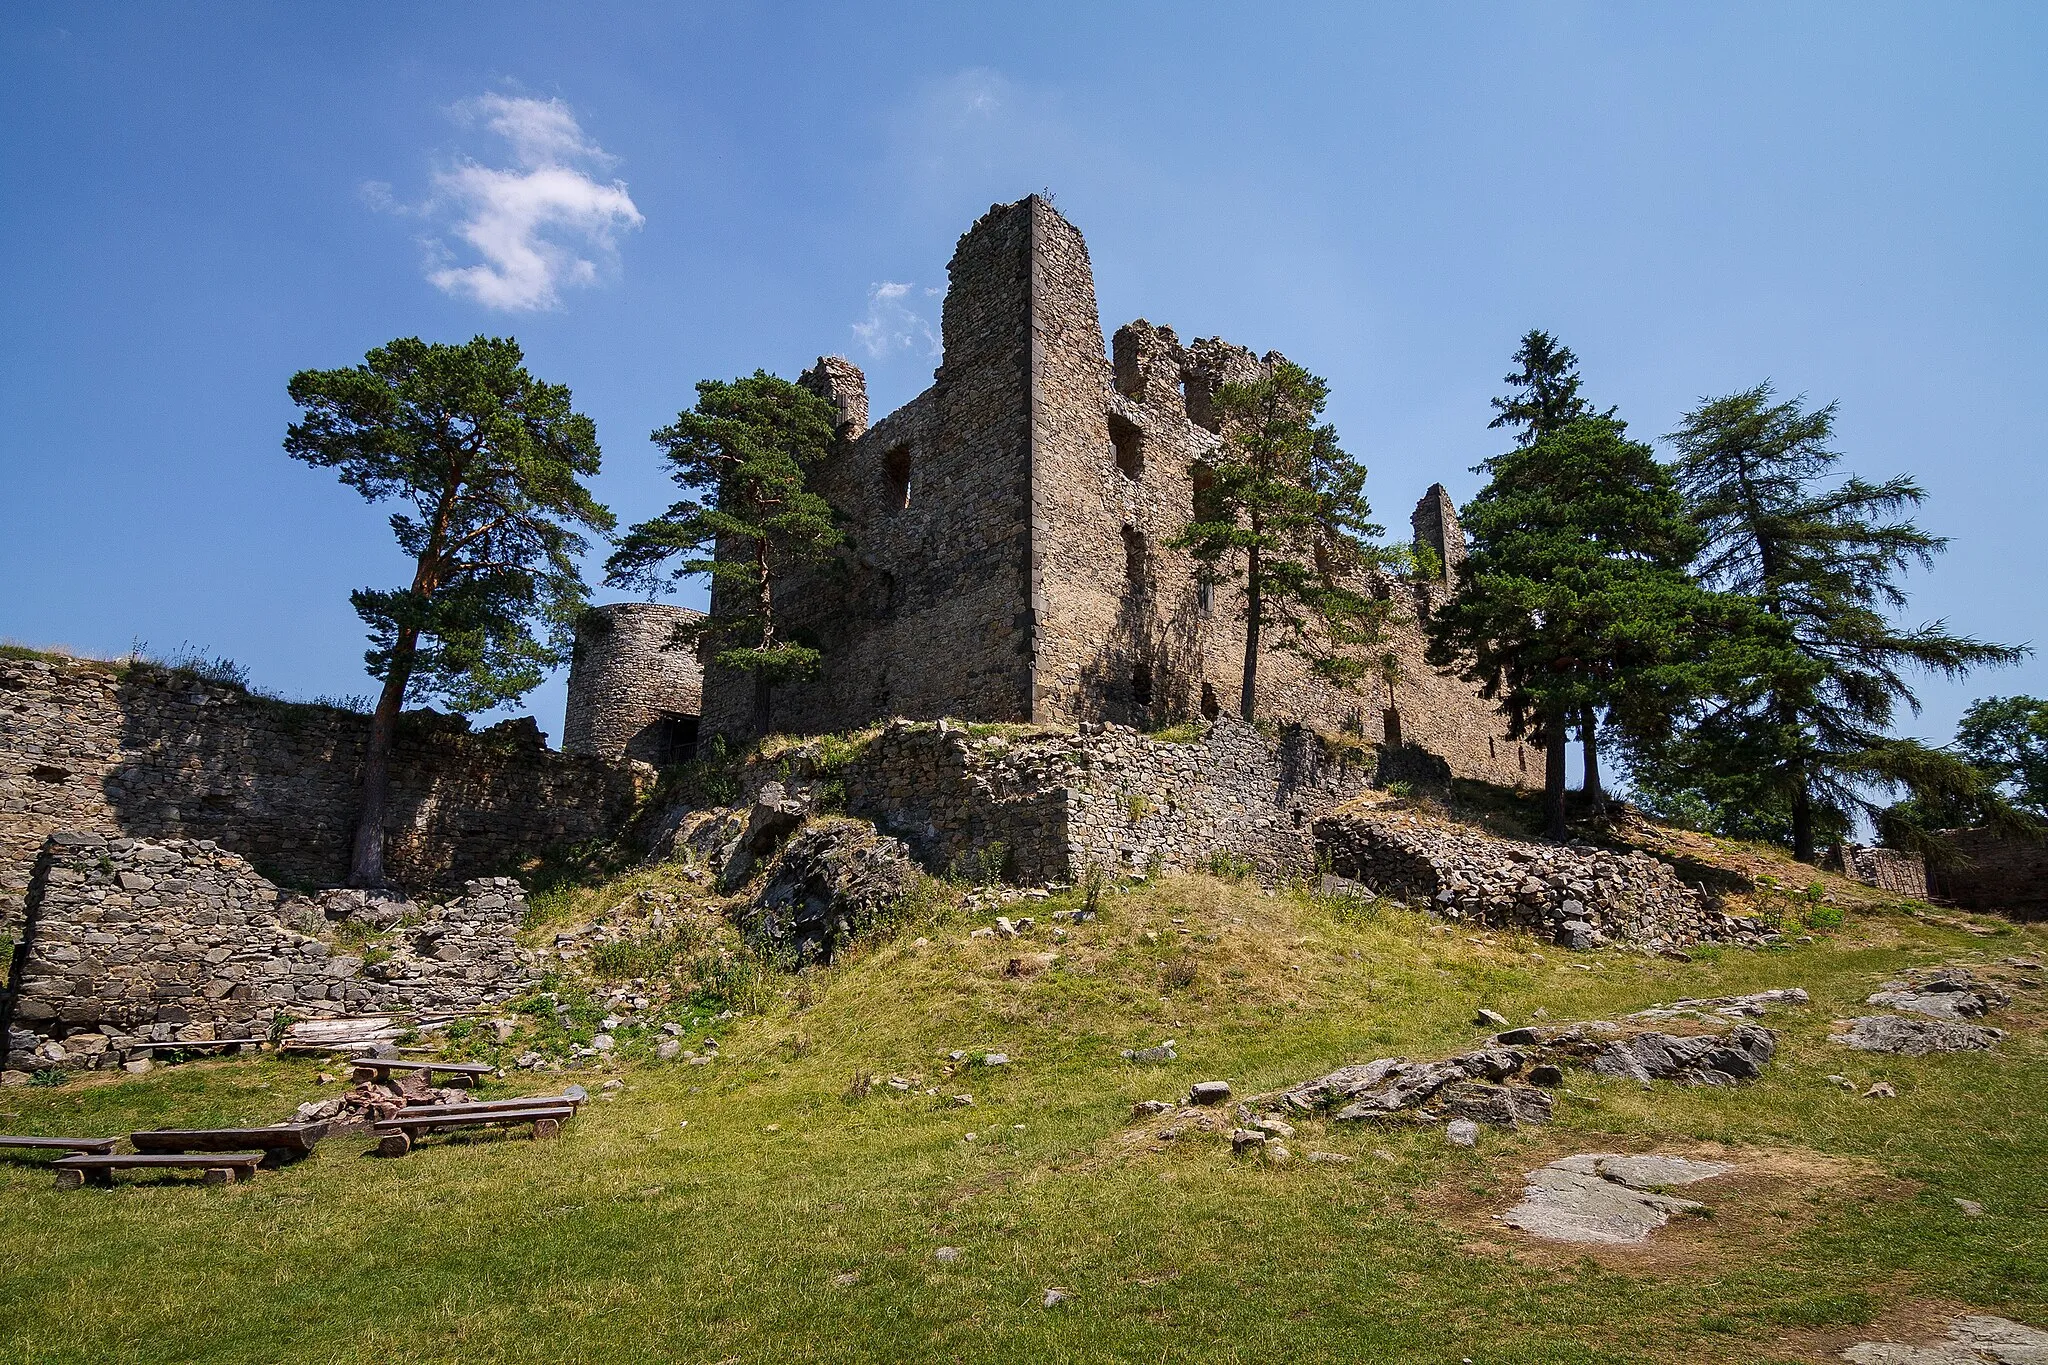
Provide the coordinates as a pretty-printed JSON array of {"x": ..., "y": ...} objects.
[{"x": 1807, "y": 741}]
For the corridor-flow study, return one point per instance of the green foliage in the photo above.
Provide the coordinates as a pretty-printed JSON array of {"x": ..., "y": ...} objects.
[
  {"x": 486, "y": 464},
  {"x": 1574, "y": 597},
  {"x": 1137, "y": 806},
  {"x": 1545, "y": 391},
  {"x": 1230, "y": 866},
  {"x": 1802, "y": 741},
  {"x": 1283, "y": 513},
  {"x": 2007, "y": 739},
  {"x": 744, "y": 453},
  {"x": 1185, "y": 732}
]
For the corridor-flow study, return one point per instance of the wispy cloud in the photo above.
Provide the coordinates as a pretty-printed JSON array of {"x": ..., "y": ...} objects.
[
  {"x": 539, "y": 225},
  {"x": 893, "y": 326}
]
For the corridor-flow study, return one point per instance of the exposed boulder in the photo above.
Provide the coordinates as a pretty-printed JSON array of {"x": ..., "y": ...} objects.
[
  {"x": 1597, "y": 1198},
  {"x": 1953, "y": 993},
  {"x": 1914, "y": 1037},
  {"x": 833, "y": 881}
]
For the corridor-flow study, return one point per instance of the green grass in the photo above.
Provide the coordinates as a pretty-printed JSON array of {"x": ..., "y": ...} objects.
[{"x": 711, "y": 1213}]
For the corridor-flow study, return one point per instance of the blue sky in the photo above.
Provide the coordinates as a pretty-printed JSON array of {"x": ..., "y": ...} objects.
[{"x": 198, "y": 200}]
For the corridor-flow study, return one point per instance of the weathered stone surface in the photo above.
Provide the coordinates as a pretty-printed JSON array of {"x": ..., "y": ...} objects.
[
  {"x": 635, "y": 687},
  {"x": 213, "y": 951},
  {"x": 1972, "y": 1339},
  {"x": 1577, "y": 896},
  {"x": 1914, "y": 1037},
  {"x": 1740, "y": 1055},
  {"x": 831, "y": 883},
  {"x": 1598, "y": 1198},
  {"x": 1953, "y": 993},
  {"x": 142, "y": 751}
]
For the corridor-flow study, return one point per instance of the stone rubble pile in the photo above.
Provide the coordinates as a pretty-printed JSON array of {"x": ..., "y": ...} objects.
[{"x": 1574, "y": 895}]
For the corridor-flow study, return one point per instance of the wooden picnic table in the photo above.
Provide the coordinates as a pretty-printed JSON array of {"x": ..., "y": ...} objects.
[
  {"x": 380, "y": 1068},
  {"x": 282, "y": 1143},
  {"x": 397, "y": 1136},
  {"x": 221, "y": 1168},
  {"x": 99, "y": 1146}
]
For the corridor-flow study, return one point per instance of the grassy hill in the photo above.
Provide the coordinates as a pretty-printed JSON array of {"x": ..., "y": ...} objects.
[{"x": 762, "y": 1208}]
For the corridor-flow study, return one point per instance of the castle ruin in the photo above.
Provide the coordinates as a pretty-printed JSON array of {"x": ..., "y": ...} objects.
[{"x": 1009, "y": 530}]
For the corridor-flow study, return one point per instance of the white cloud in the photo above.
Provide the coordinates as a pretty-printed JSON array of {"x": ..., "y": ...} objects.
[
  {"x": 892, "y": 326},
  {"x": 538, "y": 226}
]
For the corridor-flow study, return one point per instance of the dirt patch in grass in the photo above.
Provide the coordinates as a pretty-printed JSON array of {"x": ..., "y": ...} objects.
[
  {"x": 1772, "y": 1195},
  {"x": 1910, "y": 1320}
]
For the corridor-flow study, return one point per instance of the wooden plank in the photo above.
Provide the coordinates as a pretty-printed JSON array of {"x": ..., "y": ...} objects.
[
  {"x": 430, "y": 1118},
  {"x": 123, "y": 1161},
  {"x": 290, "y": 1137},
  {"x": 452, "y": 1068},
  {"x": 488, "y": 1106},
  {"x": 99, "y": 1146}
]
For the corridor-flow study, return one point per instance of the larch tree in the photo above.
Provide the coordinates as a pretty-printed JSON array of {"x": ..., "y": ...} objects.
[
  {"x": 1823, "y": 557},
  {"x": 1283, "y": 515},
  {"x": 745, "y": 453},
  {"x": 485, "y": 464}
]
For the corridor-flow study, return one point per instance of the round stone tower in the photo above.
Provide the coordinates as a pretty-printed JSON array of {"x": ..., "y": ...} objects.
[{"x": 634, "y": 690}]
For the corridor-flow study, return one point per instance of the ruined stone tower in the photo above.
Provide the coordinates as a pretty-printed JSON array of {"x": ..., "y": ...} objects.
[
  {"x": 633, "y": 692},
  {"x": 1009, "y": 536}
]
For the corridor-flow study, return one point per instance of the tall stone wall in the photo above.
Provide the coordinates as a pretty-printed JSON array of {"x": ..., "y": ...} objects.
[
  {"x": 1009, "y": 550},
  {"x": 143, "y": 752},
  {"x": 131, "y": 941},
  {"x": 632, "y": 682}
]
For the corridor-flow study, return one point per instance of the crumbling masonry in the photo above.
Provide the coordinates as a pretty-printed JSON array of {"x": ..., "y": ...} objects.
[{"x": 1009, "y": 533}]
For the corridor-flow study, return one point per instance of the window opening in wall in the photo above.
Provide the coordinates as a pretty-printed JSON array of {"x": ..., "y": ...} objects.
[
  {"x": 1134, "y": 557},
  {"x": 1391, "y": 722},
  {"x": 1205, "y": 597},
  {"x": 1128, "y": 442},
  {"x": 896, "y": 467},
  {"x": 1522, "y": 757},
  {"x": 1489, "y": 748},
  {"x": 1202, "y": 479},
  {"x": 1141, "y": 684},
  {"x": 1210, "y": 710},
  {"x": 670, "y": 739}
]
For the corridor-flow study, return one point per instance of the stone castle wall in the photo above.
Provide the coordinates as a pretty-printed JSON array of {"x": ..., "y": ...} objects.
[
  {"x": 144, "y": 752},
  {"x": 1009, "y": 553},
  {"x": 631, "y": 683},
  {"x": 1995, "y": 872},
  {"x": 1049, "y": 804},
  {"x": 131, "y": 941}
]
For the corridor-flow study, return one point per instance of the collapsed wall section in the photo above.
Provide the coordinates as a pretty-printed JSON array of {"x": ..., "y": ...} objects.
[
  {"x": 132, "y": 942},
  {"x": 147, "y": 752}
]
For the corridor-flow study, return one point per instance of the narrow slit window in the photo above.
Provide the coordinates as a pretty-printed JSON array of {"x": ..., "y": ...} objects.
[
  {"x": 1205, "y": 597},
  {"x": 1210, "y": 709},
  {"x": 1134, "y": 558},
  {"x": 1141, "y": 684},
  {"x": 1391, "y": 722},
  {"x": 896, "y": 470},
  {"x": 1128, "y": 443}
]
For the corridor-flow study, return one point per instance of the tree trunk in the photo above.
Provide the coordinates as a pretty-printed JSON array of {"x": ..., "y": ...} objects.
[
  {"x": 366, "y": 861},
  {"x": 1254, "y": 599},
  {"x": 1555, "y": 727},
  {"x": 764, "y": 710},
  {"x": 1589, "y": 740},
  {"x": 1802, "y": 818}
]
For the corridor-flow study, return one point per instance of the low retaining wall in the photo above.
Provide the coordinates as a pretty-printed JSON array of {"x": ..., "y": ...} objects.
[
  {"x": 1576, "y": 896},
  {"x": 130, "y": 941},
  {"x": 1887, "y": 869},
  {"x": 1996, "y": 873}
]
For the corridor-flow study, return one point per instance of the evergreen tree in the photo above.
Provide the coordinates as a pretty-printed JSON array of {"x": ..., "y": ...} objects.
[
  {"x": 2002, "y": 743},
  {"x": 1808, "y": 739},
  {"x": 746, "y": 451},
  {"x": 2007, "y": 739},
  {"x": 1284, "y": 515},
  {"x": 1574, "y": 595},
  {"x": 485, "y": 460}
]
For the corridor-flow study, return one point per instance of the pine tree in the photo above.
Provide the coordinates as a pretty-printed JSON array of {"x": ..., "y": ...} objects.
[
  {"x": 746, "y": 450},
  {"x": 1807, "y": 742},
  {"x": 488, "y": 460},
  {"x": 1574, "y": 594},
  {"x": 1284, "y": 514}
]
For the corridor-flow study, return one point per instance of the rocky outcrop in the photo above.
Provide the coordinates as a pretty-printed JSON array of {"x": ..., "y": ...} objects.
[
  {"x": 1956, "y": 994},
  {"x": 832, "y": 882},
  {"x": 1574, "y": 895},
  {"x": 1905, "y": 1037},
  {"x": 1598, "y": 1198}
]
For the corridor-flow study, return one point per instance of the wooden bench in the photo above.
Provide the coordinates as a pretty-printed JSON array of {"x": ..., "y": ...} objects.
[
  {"x": 221, "y": 1168},
  {"x": 397, "y": 1136},
  {"x": 286, "y": 1142},
  {"x": 379, "y": 1069},
  {"x": 97, "y": 1146},
  {"x": 487, "y": 1106}
]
